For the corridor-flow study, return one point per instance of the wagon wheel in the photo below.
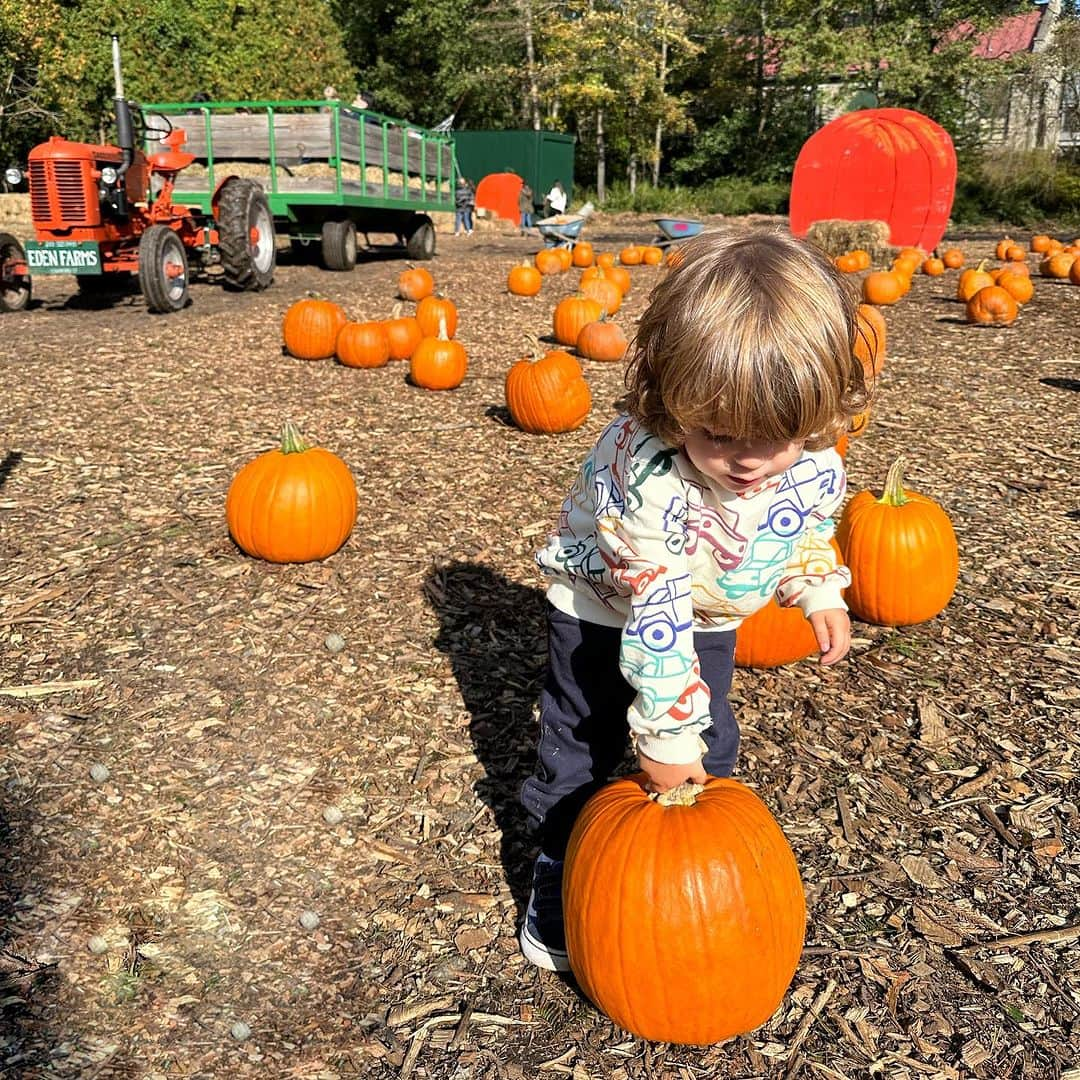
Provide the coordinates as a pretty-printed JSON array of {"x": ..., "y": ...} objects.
[
  {"x": 14, "y": 288},
  {"x": 163, "y": 269},
  {"x": 339, "y": 245},
  {"x": 421, "y": 240},
  {"x": 246, "y": 235}
]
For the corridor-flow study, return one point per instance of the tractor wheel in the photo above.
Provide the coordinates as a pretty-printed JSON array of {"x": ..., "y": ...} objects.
[
  {"x": 339, "y": 245},
  {"x": 14, "y": 288},
  {"x": 163, "y": 269},
  {"x": 421, "y": 241},
  {"x": 246, "y": 235}
]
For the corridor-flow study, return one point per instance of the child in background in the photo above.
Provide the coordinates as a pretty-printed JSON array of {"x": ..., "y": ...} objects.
[
  {"x": 712, "y": 495},
  {"x": 464, "y": 202}
]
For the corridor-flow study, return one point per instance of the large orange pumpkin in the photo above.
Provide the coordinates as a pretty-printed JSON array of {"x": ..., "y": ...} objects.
[
  {"x": 901, "y": 550},
  {"x": 548, "y": 395},
  {"x": 310, "y": 328},
  {"x": 684, "y": 915},
  {"x": 292, "y": 504},
  {"x": 524, "y": 279}
]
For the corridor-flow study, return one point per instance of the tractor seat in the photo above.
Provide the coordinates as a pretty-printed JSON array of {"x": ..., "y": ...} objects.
[{"x": 174, "y": 159}]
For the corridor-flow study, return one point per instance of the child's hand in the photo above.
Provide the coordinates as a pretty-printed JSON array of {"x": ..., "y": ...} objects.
[
  {"x": 660, "y": 777},
  {"x": 833, "y": 630}
]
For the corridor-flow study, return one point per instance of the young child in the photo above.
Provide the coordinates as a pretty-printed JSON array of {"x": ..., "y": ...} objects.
[{"x": 712, "y": 495}]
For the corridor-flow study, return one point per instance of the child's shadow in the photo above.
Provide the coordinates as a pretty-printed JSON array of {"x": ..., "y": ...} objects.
[{"x": 495, "y": 634}]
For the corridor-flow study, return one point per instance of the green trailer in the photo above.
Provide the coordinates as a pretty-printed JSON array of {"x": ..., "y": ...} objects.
[
  {"x": 329, "y": 171},
  {"x": 538, "y": 157}
]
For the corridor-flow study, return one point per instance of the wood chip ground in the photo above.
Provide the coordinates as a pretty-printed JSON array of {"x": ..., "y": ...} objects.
[{"x": 261, "y": 820}]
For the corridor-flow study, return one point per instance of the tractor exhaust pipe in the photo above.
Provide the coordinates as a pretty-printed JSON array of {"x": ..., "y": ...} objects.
[{"x": 125, "y": 136}]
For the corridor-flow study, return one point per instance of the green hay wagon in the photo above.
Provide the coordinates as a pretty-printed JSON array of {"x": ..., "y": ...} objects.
[{"x": 330, "y": 172}]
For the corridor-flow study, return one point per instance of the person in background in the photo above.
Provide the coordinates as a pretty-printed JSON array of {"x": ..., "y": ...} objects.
[
  {"x": 525, "y": 206},
  {"x": 464, "y": 202},
  {"x": 712, "y": 494},
  {"x": 555, "y": 199}
]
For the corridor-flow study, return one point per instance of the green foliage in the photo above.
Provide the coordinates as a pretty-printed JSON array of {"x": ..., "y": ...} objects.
[
  {"x": 1025, "y": 189},
  {"x": 732, "y": 196}
]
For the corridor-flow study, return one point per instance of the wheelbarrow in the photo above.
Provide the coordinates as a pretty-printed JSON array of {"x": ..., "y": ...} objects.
[
  {"x": 672, "y": 230},
  {"x": 562, "y": 230}
]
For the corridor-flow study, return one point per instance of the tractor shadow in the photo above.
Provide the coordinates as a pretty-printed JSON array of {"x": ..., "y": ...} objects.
[
  {"x": 1061, "y": 383},
  {"x": 494, "y": 633},
  {"x": 8, "y": 464}
]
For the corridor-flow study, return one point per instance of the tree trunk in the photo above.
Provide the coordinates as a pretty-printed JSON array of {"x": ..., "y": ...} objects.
[
  {"x": 631, "y": 173},
  {"x": 601, "y": 192},
  {"x": 530, "y": 64},
  {"x": 659, "y": 122}
]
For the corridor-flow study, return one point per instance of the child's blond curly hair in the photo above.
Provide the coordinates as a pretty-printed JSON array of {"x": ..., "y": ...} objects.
[{"x": 751, "y": 334}]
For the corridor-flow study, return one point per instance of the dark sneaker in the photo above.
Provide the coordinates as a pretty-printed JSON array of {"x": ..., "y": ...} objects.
[{"x": 542, "y": 938}]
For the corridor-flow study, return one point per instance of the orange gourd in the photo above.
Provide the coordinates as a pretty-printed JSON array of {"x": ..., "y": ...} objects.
[
  {"x": 1057, "y": 264},
  {"x": 1040, "y": 242},
  {"x": 870, "y": 339},
  {"x": 933, "y": 267},
  {"x": 571, "y": 314},
  {"x": 547, "y": 395},
  {"x": 439, "y": 363},
  {"x": 606, "y": 259},
  {"x": 953, "y": 258},
  {"x": 992, "y": 306},
  {"x": 603, "y": 290},
  {"x": 295, "y": 503},
  {"x": 699, "y": 884},
  {"x": 630, "y": 256},
  {"x": 310, "y": 328},
  {"x": 403, "y": 334},
  {"x": 524, "y": 279},
  {"x": 847, "y": 263},
  {"x": 602, "y": 340},
  {"x": 901, "y": 550},
  {"x": 432, "y": 312},
  {"x": 651, "y": 255},
  {"x": 363, "y": 345},
  {"x": 1019, "y": 286},
  {"x": 415, "y": 283}
]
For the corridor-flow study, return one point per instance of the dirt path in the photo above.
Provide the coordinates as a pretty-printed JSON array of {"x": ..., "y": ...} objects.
[{"x": 928, "y": 785}]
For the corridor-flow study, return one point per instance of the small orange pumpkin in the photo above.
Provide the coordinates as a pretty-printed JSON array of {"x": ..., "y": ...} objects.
[
  {"x": 403, "y": 334},
  {"x": 992, "y": 306},
  {"x": 548, "y": 395},
  {"x": 606, "y": 259},
  {"x": 847, "y": 263},
  {"x": 571, "y": 314},
  {"x": 548, "y": 261},
  {"x": 933, "y": 267},
  {"x": 603, "y": 290},
  {"x": 363, "y": 345},
  {"x": 882, "y": 287},
  {"x": 870, "y": 339},
  {"x": 953, "y": 258},
  {"x": 1057, "y": 264},
  {"x": 1040, "y": 242},
  {"x": 439, "y": 363},
  {"x": 602, "y": 340},
  {"x": 295, "y": 503},
  {"x": 415, "y": 283},
  {"x": 630, "y": 256},
  {"x": 310, "y": 328},
  {"x": 433, "y": 312},
  {"x": 901, "y": 550},
  {"x": 524, "y": 279},
  {"x": 971, "y": 281},
  {"x": 1019, "y": 286},
  {"x": 583, "y": 254},
  {"x": 651, "y": 255}
]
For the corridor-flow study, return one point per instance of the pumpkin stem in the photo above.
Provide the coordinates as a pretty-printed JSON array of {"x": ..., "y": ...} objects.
[
  {"x": 292, "y": 442},
  {"x": 443, "y": 335},
  {"x": 684, "y": 794},
  {"x": 893, "y": 494}
]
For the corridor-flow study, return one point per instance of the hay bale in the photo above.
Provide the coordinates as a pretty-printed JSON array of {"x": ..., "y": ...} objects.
[{"x": 835, "y": 236}]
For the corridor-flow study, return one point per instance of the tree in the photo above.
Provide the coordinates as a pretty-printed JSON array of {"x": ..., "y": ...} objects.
[{"x": 27, "y": 108}]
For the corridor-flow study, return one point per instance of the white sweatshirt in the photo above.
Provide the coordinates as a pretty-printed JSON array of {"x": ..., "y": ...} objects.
[{"x": 647, "y": 543}]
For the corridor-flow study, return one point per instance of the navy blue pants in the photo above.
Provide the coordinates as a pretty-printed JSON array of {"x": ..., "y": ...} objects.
[{"x": 583, "y": 729}]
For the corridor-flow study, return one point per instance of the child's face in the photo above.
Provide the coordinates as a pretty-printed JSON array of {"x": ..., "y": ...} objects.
[{"x": 739, "y": 465}]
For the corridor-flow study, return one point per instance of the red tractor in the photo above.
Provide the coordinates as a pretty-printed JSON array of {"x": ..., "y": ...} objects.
[{"x": 106, "y": 213}]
